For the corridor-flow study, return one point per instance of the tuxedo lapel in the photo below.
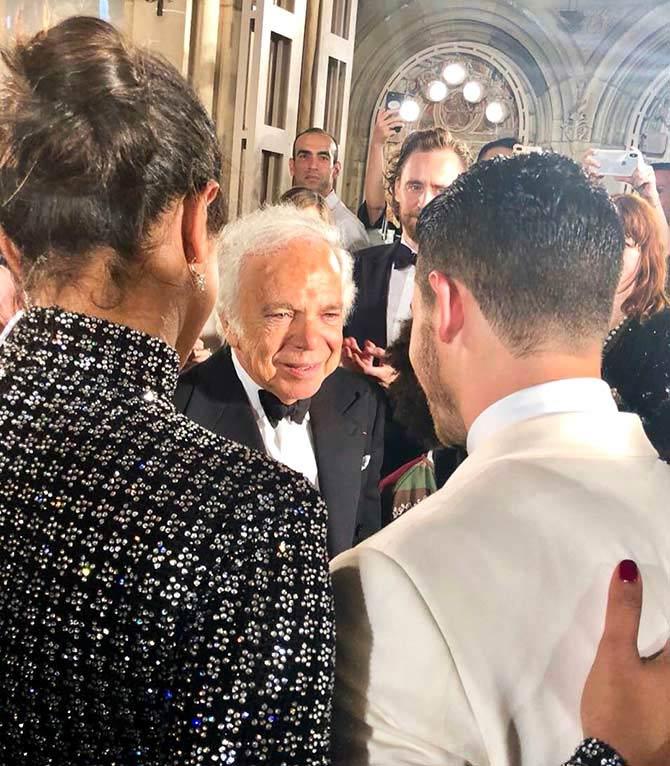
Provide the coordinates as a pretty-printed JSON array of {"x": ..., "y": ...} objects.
[
  {"x": 381, "y": 282},
  {"x": 338, "y": 429},
  {"x": 218, "y": 401},
  {"x": 372, "y": 274}
]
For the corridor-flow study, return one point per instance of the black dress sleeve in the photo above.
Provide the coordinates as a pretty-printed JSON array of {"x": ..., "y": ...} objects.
[
  {"x": 592, "y": 752},
  {"x": 637, "y": 366}
]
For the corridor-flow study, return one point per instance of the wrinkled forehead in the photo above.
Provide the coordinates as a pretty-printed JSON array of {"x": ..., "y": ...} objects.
[{"x": 304, "y": 263}]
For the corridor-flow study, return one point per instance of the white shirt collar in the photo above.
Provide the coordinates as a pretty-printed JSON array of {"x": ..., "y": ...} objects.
[
  {"x": 403, "y": 241},
  {"x": 556, "y": 397},
  {"x": 10, "y": 325},
  {"x": 332, "y": 199},
  {"x": 251, "y": 389}
]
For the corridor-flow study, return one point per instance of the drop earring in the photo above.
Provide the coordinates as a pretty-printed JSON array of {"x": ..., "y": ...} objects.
[{"x": 200, "y": 281}]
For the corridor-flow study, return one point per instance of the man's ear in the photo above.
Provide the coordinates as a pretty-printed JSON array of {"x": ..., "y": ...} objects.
[
  {"x": 291, "y": 167},
  {"x": 337, "y": 169},
  {"x": 449, "y": 300},
  {"x": 195, "y": 237},
  {"x": 11, "y": 254}
]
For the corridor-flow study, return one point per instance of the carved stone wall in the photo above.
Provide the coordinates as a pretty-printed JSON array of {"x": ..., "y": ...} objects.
[{"x": 592, "y": 71}]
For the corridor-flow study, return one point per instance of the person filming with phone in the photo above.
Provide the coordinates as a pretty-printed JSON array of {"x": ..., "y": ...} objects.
[{"x": 629, "y": 166}]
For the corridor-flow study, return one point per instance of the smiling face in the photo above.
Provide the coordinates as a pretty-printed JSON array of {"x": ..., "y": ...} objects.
[{"x": 290, "y": 318}]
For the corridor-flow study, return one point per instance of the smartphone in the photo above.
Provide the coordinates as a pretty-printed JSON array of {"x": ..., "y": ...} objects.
[
  {"x": 393, "y": 102},
  {"x": 526, "y": 149},
  {"x": 618, "y": 162}
]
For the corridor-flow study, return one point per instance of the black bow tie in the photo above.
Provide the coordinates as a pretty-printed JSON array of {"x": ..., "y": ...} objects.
[
  {"x": 403, "y": 257},
  {"x": 276, "y": 410}
]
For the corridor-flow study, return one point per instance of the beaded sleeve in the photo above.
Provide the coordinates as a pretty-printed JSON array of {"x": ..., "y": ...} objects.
[{"x": 593, "y": 752}]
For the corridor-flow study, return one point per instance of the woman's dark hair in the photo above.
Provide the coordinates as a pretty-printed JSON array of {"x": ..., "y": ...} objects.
[
  {"x": 410, "y": 406},
  {"x": 302, "y": 198},
  {"x": 498, "y": 143},
  {"x": 97, "y": 140}
]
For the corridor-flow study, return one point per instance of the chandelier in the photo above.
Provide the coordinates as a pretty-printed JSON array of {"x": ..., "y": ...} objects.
[{"x": 456, "y": 75}]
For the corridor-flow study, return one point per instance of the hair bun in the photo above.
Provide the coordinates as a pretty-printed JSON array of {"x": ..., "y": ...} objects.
[{"x": 76, "y": 100}]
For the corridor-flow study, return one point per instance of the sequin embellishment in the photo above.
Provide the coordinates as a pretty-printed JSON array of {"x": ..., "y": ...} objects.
[{"x": 164, "y": 593}]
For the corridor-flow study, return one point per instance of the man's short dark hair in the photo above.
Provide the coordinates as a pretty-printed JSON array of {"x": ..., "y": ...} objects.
[
  {"x": 499, "y": 143},
  {"x": 660, "y": 166},
  {"x": 537, "y": 243},
  {"x": 318, "y": 132},
  {"x": 410, "y": 406}
]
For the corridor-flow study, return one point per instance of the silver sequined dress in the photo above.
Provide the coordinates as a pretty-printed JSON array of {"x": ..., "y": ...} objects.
[{"x": 164, "y": 593}]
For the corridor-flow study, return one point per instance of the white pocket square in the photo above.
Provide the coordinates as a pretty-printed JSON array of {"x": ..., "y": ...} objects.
[{"x": 366, "y": 462}]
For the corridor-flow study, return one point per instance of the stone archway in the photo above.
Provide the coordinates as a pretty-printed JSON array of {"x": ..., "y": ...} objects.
[
  {"x": 541, "y": 58},
  {"x": 629, "y": 79}
]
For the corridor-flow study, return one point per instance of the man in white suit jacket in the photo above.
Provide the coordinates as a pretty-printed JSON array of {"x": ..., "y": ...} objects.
[{"x": 466, "y": 629}]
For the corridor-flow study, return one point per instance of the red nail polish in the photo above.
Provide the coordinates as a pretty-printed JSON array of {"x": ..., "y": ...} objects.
[{"x": 628, "y": 571}]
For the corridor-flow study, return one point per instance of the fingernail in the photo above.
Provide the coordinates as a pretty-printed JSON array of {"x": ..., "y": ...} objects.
[{"x": 628, "y": 571}]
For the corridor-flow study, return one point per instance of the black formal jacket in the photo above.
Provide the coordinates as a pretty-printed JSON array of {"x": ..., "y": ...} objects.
[
  {"x": 636, "y": 363},
  {"x": 347, "y": 421},
  {"x": 372, "y": 276}
]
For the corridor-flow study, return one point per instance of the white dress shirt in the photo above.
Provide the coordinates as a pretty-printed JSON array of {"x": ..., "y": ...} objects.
[
  {"x": 399, "y": 305},
  {"x": 352, "y": 232},
  {"x": 289, "y": 443},
  {"x": 553, "y": 398}
]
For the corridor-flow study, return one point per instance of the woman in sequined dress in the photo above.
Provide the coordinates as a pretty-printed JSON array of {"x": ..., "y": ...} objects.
[
  {"x": 164, "y": 594},
  {"x": 636, "y": 357}
]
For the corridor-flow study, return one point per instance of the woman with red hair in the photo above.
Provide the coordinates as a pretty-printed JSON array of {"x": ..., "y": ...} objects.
[{"x": 636, "y": 358}]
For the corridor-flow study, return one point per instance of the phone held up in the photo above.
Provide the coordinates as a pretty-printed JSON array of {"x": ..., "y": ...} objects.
[
  {"x": 618, "y": 162},
  {"x": 393, "y": 103},
  {"x": 527, "y": 149}
]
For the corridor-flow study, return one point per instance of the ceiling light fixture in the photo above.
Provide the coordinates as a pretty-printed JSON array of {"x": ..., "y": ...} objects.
[
  {"x": 473, "y": 92},
  {"x": 454, "y": 74},
  {"x": 436, "y": 90}
]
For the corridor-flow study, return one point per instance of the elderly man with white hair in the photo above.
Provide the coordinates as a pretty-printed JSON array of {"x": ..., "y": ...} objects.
[{"x": 276, "y": 384}]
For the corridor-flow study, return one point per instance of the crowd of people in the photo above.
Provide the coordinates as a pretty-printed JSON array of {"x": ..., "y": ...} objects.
[{"x": 380, "y": 523}]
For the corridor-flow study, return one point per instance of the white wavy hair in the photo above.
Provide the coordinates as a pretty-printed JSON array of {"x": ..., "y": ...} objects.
[{"x": 265, "y": 232}]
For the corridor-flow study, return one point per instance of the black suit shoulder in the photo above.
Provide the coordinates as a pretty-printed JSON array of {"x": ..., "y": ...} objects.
[
  {"x": 210, "y": 378},
  {"x": 347, "y": 382},
  {"x": 373, "y": 260},
  {"x": 372, "y": 272},
  {"x": 376, "y": 251},
  {"x": 207, "y": 373}
]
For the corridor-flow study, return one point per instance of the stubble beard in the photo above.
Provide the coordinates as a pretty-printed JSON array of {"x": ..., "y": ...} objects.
[{"x": 449, "y": 425}]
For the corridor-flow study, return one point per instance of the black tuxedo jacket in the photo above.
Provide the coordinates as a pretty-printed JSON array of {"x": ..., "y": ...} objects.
[
  {"x": 347, "y": 422},
  {"x": 372, "y": 275}
]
